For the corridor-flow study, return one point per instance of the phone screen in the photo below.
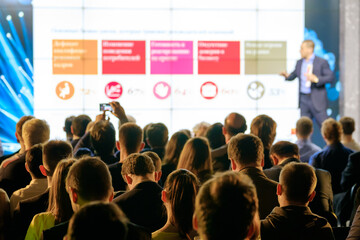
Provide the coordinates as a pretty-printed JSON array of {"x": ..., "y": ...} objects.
[{"x": 105, "y": 107}]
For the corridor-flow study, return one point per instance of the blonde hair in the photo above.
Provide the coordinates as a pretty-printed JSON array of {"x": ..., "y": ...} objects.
[
  {"x": 35, "y": 131},
  {"x": 331, "y": 130}
]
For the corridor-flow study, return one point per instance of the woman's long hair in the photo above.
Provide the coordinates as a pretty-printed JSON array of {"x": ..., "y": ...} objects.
[{"x": 174, "y": 148}]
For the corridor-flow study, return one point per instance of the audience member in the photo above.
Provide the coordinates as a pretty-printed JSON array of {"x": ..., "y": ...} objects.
[
  {"x": 354, "y": 233},
  {"x": 157, "y": 164},
  {"x": 172, "y": 153},
  {"x": 13, "y": 174},
  {"x": 334, "y": 156},
  {"x": 98, "y": 220},
  {"x": 234, "y": 123},
  {"x": 304, "y": 129},
  {"x": 246, "y": 154},
  {"x": 142, "y": 204},
  {"x": 283, "y": 153},
  {"x": 294, "y": 219},
  {"x": 59, "y": 209},
  {"x": 78, "y": 127},
  {"x": 53, "y": 152},
  {"x": 226, "y": 207},
  {"x": 147, "y": 146},
  {"x": 130, "y": 141},
  {"x": 215, "y": 136},
  {"x": 196, "y": 158},
  {"x": 38, "y": 184},
  {"x": 67, "y": 128},
  {"x": 348, "y": 127},
  {"x": 264, "y": 127},
  {"x": 178, "y": 196},
  {"x": 350, "y": 175},
  {"x": 4, "y": 216},
  {"x": 200, "y": 129},
  {"x": 157, "y": 136}
]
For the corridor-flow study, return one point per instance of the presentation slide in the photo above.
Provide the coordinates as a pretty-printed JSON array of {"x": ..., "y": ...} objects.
[{"x": 171, "y": 61}]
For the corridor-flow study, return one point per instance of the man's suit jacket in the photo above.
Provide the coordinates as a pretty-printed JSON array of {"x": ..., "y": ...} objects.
[
  {"x": 220, "y": 159},
  {"x": 318, "y": 91},
  {"x": 143, "y": 205},
  {"x": 265, "y": 188},
  {"x": 351, "y": 175}
]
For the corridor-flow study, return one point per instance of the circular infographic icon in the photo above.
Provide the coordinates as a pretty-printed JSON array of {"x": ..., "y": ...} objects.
[
  {"x": 113, "y": 90},
  {"x": 209, "y": 90},
  {"x": 162, "y": 90},
  {"x": 65, "y": 90},
  {"x": 256, "y": 90}
]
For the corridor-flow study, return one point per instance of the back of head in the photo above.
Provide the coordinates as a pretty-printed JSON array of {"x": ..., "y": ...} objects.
[
  {"x": 34, "y": 159},
  {"x": 137, "y": 164},
  {"x": 98, "y": 220},
  {"x": 226, "y": 207},
  {"x": 196, "y": 156},
  {"x": 20, "y": 124},
  {"x": 284, "y": 149},
  {"x": 298, "y": 181},
  {"x": 155, "y": 159},
  {"x": 68, "y": 123},
  {"x": 174, "y": 147},
  {"x": 181, "y": 188},
  {"x": 91, "y": 179},
  {"x": 215, "y": 135},
  {"x": 53, "y": 152},
  {"x": 304, "y": 127},
  {"x": 200, "y": 129},
  {"x": 264, "y": 127},
  {"x": 246, "y": 149},
  {"x": 331, "y": 130},
  {"x": 102, "y": 137},
  {"x": 157, "y": 135},
  {"x": 348, "y": 125},
  {"x": 79, "y": 124},
  {"x": 130, "y": 137},
  {"x": 35, "y": 131},
  {"x": 59, "y": 201},
  {"x": 235, "y": 123}
]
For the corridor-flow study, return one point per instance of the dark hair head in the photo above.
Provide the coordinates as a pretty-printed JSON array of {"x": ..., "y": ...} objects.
[
  {"x": 59, "y": 201},
  {"x": 102, "y": 137},
  {"x": 145, "y": 136},
  {"x": 20, "y": 124},
  {"x": 33, "y": 159},
  {"x": 246, "y": 149},
  {"x": 68, "y": 123},
  {"x": 91, "y": 179},
  {"x": 195, "y": 156},
  {"x": 79, "y": 124},
  {"x": 181, "y": 188},
  {"x": 304, "y": 127},
  {"x": 130, "y": 137},
  {"x": 284, "y": 149},
  {"x": 298, "y": 181},
  {"x": 157, "y": 135},
  {"x": 174, "y": 147},
  {"x": 226, "y": 206},
  {"x": 53, "y": 152},
  {"x": 137, "y": 164},
  {"x": 331, "y": 130},
  {"x": 348, "y": 125},
  {"x": 235, "y": 123},
  {"x": 215, "y": 135},
  {"x": 264, "y": 127},
  {"x": 98, "y": 220}
]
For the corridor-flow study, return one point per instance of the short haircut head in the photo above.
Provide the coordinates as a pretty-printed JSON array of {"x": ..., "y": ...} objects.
[
  {"x": 157, "y": 134},
  {"x": 156, "y": 160},
  {"x": 235, "y": 123},
  {"x": 225, "y": 203},
  {"x": 284, "y": 149},
  {"x": 68, "y": 123},
  {"x": 174, "y": 147},
  {"x": 298, "y": 181},
  {"x": 34, "y": 159},
  {"x": 304, "y": 127},
  {"x": 331, "y": 130},
  {"x": 79, "y": 124},
  {"x": 348, "y": 125},
  {"x": 102, "y": 137},
  {"x": 53, "y": 152},
  {"x": 246, "y": 149},
  {"x": 137, "y": 164},
  {"x": 309, "y": 43},
  {"x": 91, "y": 179},
  {"x": 215, "y": 135},
  {"x": 35, "y": 131},
  {"x": 130, "y": 137},
  {"x": 98, "y": 220},
  {"x": 264, "y": 127},
  {"x": 196, "y": 156},
  {"x": 20, "y": 124}
]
